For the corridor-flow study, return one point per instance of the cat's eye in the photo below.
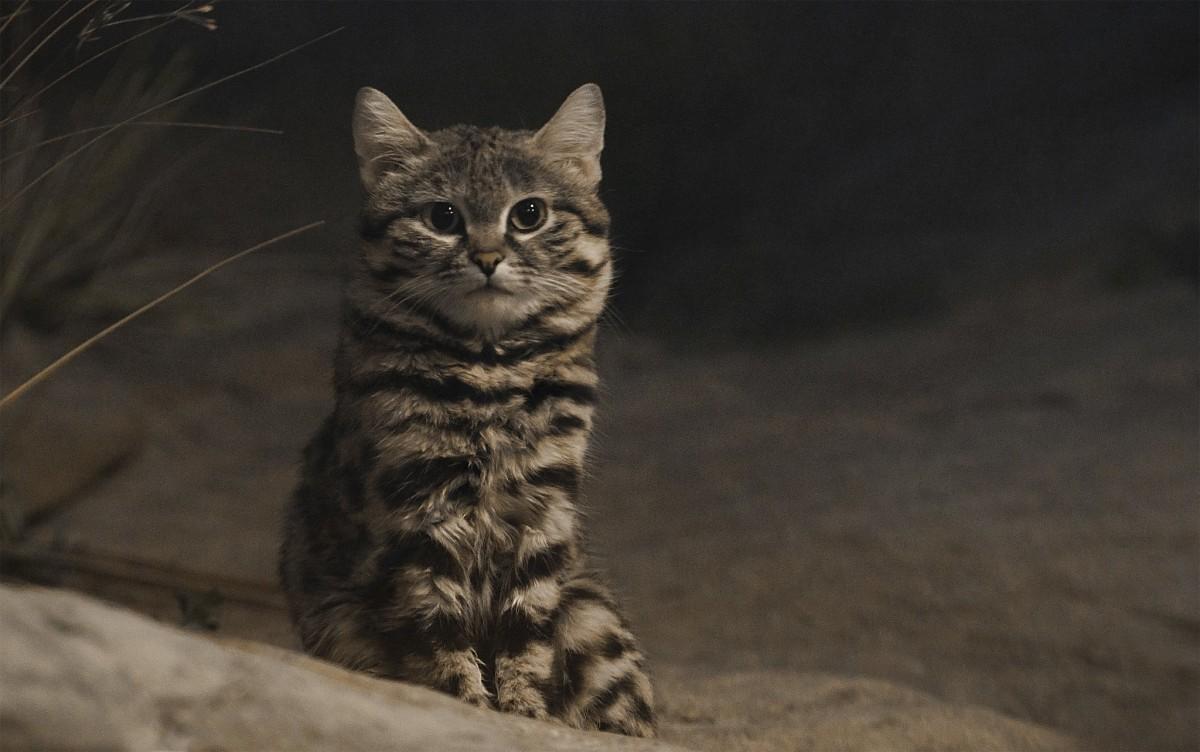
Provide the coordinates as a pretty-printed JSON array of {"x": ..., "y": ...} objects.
[
  {"x": 527, "y": 214},
  {"x": 441, "y": 216}
]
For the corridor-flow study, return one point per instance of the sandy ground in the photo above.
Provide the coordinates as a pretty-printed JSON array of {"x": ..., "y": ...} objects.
[{"x": 998, "y": 507}]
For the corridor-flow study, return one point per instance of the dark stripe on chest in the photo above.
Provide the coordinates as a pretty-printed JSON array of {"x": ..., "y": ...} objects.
[
  {"x": 416, "y": 480},
  {"x": 446, "y": 389},
  {"x": 368, "y": 328},
  {"x": 407, "y": 635},
  {"x": 419, "y": 549},
  {"x": 453, "y": 389},
  {"x": 435, "y": 317}
]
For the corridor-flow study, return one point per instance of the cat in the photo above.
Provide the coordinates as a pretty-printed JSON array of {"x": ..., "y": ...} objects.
[{"x": 435, "y": 535}]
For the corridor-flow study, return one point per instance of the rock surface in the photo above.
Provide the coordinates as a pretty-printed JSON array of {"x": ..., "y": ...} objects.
[
  {"x": 78, "y": 674},
  {"x": 762, "y": 711},
  {"x": 82, "y": 675}
]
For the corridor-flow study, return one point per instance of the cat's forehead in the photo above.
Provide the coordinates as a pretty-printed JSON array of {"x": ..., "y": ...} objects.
[
  {"x": 469, "y": 158},
  {"x": 479, "y": 140}
]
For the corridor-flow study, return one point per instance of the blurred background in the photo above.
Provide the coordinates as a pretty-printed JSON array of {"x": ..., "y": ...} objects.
[{"x": 902, "y": 361}]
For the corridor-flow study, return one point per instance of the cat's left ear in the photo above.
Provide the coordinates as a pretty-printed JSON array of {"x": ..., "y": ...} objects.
[{"x": 575, "y": 135}]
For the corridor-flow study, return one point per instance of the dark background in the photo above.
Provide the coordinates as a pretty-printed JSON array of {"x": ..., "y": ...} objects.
[{"x": 772, "y": 169}]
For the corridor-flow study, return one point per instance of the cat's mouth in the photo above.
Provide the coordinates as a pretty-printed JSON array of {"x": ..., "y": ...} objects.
[{"x": 491, "y": 287}]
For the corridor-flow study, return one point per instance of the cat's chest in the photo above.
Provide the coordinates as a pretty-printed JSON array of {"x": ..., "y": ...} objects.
[
  {"x": 443, "y": 442},
  {"x": 485, "y": 548}
]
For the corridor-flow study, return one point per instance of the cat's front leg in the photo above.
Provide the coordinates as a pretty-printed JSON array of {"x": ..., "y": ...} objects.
[
  {"x": 438, "y": 654},
  {"x": 524, "y": 669},
  {"x": 455, "y": 670},
  {"x": 605, "y": 684},
  {"x": 419, "y": 600},
  {"x": 525, "y": 653}
]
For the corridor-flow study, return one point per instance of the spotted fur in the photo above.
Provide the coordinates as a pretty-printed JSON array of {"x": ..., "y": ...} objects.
[{"x": 435, "y": 536}]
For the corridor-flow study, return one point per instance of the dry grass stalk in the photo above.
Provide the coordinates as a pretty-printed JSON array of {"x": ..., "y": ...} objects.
[
  {"x": 81, "y": 347},
  {"x": 139, "y": 116},
  {"x": 94, "y": 212},
  {"x": 10, "y": 17},
  {"x": 42, "y": 42},
  {"x": 40, "y": 231},
  {"x": 58, "y": 237},
  {"x": 29, "y": 98},
  {"x": 58, "y": 231},
  {"x": 158, "y": 123}
]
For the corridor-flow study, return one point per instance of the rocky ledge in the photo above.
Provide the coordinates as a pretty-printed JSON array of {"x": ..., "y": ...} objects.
[{"x": 79, "y": 674}]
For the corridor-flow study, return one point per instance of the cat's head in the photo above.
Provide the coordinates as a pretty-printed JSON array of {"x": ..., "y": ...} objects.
[{"x": 493, "y": 231}]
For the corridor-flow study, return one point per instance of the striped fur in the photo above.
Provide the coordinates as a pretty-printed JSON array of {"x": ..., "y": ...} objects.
[{"x": 434, "y": 536}]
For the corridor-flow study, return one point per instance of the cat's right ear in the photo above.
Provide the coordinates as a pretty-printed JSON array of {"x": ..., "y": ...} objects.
[
  {"x": 575, "y": 135},
  {"x": 383, "y": 137}
]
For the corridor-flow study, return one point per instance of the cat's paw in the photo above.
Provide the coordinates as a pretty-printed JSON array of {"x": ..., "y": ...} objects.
[
  {"x": 526, "y": 701},
  {"x": 629, "y": 726},
  {"x": 476, "y": 696},
  {"x": 469, "y": 689}
]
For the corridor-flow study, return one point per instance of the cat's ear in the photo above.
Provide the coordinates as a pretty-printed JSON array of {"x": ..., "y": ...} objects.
[
  {"x": 383, "y": 137},
  {"x": 575, "y": 135}
]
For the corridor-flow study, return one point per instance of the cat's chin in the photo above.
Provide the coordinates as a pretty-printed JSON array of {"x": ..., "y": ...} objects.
[{"x": 491, "y": 311}]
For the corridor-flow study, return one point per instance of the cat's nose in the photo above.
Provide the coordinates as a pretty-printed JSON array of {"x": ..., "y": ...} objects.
[{"x": 487, "y": 261}]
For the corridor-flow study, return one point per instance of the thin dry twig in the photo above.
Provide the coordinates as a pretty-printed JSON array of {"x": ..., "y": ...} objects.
[
  {"x": 33, "y": 97},
  {"x": 37, "y": 514},
  {"x": 24, "y": 189},
  {"x": 12, "y": 55},
  {"x": 184, "y": 14},
  {"x": 12, "y": 16},
  {"x": 107, "y": 19},
  {"x": 16, "y": 118},
  {"x": 46, "y": 39},
  {"x": 160, "y": 123},
  {"x": 87, "y": 343}
]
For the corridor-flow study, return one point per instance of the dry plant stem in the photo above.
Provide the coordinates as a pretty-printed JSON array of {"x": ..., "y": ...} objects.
[
  {"x": 160, "y": 123},
  {"x": 45, "y": 39},
  {"x": 73, "y": 352},
  {"x": 24, "y": 189},
  {"x": 12, "y": 16},
  {"x": 32, "y": 35},
  {"x": 48, "y": 511},
  {"x": 151, "y": 17},
  {"x": 17, "y": 118},
  {"x": 33, "y": 97}
]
